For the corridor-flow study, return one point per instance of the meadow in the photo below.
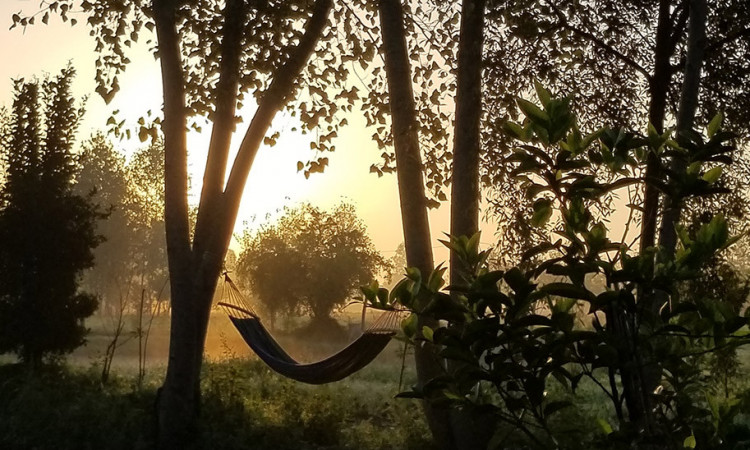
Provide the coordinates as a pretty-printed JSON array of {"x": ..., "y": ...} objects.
[
  {"x": 66, "y": 406},
  {"x": 245, "y": 405}
]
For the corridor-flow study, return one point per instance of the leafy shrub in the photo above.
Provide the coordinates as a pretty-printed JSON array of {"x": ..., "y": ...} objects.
[{"x": 512, "y": 334}]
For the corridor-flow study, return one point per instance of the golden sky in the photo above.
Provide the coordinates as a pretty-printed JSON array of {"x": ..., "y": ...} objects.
[{"x": 274, "y": 181}]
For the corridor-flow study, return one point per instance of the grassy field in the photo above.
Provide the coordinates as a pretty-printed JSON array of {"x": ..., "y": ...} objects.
[{"x": 245, "y": 404}]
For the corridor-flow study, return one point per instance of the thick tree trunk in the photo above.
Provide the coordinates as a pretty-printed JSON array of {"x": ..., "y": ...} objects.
[
  {"x": 471, "y": 430},
  {"x": 194, "y": 271},
  {"x": 409, "y": 171},
  {"x": 178, "y": 400}
]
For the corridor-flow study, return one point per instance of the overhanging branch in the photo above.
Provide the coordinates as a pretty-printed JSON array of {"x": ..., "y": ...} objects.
[{"x": 563, "y": 21}]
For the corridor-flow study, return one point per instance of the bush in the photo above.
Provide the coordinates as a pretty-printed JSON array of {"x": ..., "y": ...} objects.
[{"x": 512, "y": 335}]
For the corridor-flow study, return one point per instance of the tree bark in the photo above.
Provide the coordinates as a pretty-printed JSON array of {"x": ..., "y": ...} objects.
[
  {"x": 194, "y": 271},
  {"x": 658, "y": 89},
  {"x": 177, "y": 401},
  {"x": 471, "y": 430},
  {"x": 638, "y": 381},
  {"x": 413, "y": 202},
  {"x": 686, "y": 113},
  {"x": 465, "y": 175}
]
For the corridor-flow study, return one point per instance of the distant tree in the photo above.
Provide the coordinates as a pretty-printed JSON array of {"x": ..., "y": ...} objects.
[
  {"x": 145, "y": 206},
  {"x": 398, "y": 264},
  {"x": 102, "y": 176},
  {"x": 310, "y": 261},
  {"x": 47, "y": 233},
  {"x": 133, "y": 257}
]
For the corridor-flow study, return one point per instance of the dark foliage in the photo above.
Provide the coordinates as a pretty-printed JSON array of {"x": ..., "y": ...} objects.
[
  {"x": 516, "y": 333},
  {"x": 603, "y": 56},
  {"x": 47, "y": 234}
]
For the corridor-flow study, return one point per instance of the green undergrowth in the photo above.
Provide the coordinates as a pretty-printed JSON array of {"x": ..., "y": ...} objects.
[{"x": 244, "y": 406}]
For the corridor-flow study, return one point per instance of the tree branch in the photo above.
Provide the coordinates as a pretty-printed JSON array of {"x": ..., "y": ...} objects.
[
  {"x": 174, "y": 128},
  {"x": 223, "y": 123},
  {"x": 272, "y": 101},
  {"x": 679, "y": 26},
  {"x": 745, "y": 32},
  {"x": 563, "y": 21}
]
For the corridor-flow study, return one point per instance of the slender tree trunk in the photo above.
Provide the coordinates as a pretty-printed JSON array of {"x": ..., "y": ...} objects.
[
  {"x": 471, "y": 430},
  {"x": 465, "y": 195},
  {"x": 635, "y": 378},
  {"x": 658, "y": 89},
  {"x": 409, "y": 171},
  {"x": 686, "y": 112}
]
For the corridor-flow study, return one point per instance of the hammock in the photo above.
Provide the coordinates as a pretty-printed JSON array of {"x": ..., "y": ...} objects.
[{"x": 350, "y": 359}]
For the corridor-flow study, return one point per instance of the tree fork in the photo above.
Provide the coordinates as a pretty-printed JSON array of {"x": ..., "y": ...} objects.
[{"x": 194, "y": 274}]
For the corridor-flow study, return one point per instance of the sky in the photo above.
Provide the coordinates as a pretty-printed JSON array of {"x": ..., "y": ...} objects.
[{"x": 273, "y": 182}]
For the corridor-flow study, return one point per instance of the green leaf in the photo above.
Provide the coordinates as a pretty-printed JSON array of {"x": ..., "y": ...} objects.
[
  {"x": 409, "y": 326},
  {"x": 427, "y": 333},
  {"x": 436, "y": 280},
  {"x": 542, "y": 212},
  {"x": 533, "y": 112},
  {"x": 689, "y": 442},
  {"x": 712, "y": 176},
  {"x": 514, "y": 130},
  {"x": 542, "y": 93},
  {"x": 715, "y": 124},
  {"x": 604, "y": 425},
  {"x": 473, "y": 244}
]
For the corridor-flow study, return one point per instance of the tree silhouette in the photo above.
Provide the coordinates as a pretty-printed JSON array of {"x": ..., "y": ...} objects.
[{"x": 47, "y": 234}]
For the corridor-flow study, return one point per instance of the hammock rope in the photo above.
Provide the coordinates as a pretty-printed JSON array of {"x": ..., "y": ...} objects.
[{"x": 350, "y": 359}]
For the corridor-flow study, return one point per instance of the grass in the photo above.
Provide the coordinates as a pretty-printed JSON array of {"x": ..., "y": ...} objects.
[{"x": 244, "y": 406}]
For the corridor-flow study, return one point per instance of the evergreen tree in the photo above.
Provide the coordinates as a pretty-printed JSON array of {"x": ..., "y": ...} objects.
[{"x": 47, "y": 234}]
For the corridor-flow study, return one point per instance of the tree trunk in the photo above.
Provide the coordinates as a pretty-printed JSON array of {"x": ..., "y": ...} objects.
[
  {"x": 686, "y": 112},
  {"x": 465, "y": 194},
  {"x": 409, "y": 171},
  {"x": 471, "y": 430},
  {"x": 177, "y": 400},
  {"x": 637, "y": 380},
  {"x": 194, "y": 271},
  {"x": 658, "y": 89}
]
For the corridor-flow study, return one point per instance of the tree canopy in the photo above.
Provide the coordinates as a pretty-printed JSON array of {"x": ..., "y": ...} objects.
[
  {"x": 133, "y": 255},
  {"x": 310, "y": 261}
]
